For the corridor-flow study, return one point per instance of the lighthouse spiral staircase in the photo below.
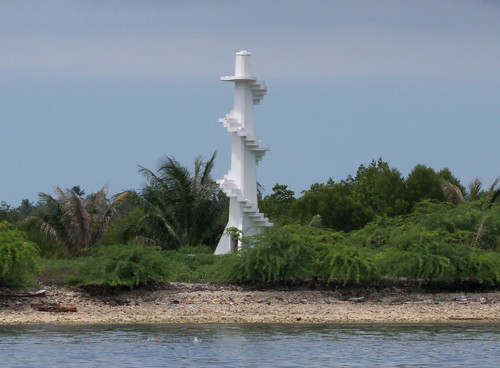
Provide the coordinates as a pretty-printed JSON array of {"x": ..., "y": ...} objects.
[{"x": 240, "y": 183}]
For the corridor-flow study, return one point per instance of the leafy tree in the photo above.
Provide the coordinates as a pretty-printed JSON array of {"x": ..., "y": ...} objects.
[
  {"x": 277, "y": 205},
  {"x": 182, "y": 208},
  {"x": 8, "y": 213},
  {"x": 424, "y": 183},
  {"x": 73, "y": 222},
  {"x": 19, "y": 258},
  {"x": 337, "y": 205},
  {"x": 381, "y": 188},
  {"x": 26, "y": 208}
]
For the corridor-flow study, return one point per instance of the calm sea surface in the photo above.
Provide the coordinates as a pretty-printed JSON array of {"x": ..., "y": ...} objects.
[{"x": 261, "y": 345}]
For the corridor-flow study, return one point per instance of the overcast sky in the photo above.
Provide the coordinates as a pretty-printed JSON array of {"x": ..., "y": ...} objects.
[{"x": 90, "y": 89}]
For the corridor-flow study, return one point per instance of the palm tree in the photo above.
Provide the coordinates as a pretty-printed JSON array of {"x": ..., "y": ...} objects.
[
  {"x": 487, "y": 199},
  {"x": 181, "y": 207},
  {"x": 475, "y": 189},
  {"x": 74, "y": 222}
]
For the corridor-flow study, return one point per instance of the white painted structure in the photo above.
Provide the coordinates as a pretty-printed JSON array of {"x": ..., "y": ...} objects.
[{"x": 240, "y": 183}]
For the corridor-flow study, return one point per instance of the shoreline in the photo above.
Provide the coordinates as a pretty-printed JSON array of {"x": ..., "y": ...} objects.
[{"x": 180, "y": 303}]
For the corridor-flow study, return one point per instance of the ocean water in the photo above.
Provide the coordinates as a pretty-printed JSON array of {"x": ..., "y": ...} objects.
[{"x": 250, "y": 345}]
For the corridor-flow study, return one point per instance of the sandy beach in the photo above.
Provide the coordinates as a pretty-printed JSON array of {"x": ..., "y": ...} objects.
[{"x": 207, "y": 303}]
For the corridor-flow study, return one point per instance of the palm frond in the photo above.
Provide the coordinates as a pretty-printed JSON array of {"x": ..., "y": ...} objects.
[
  {"x": 60, "y": 193},
  {"x": 148, "y": 174},
  {"x": 495, "y": 185},
  {"x": 108, "y": 214},
  {"x": 451, "y": 191},
  {"x": 182, "y": 205},
  {"x": 475, "y": 187},
  {"x": 144, "y": 240},
  {"x": 77, "y": 221},
  {"x": 494, "y": 191},
  {"x": 209, "y": 165},
  {"x": 44, "y": 227},
  {"x": 47, "y": 199}
]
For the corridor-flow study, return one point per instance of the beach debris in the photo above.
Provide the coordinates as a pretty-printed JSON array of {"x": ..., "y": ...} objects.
[
  {"x": 119, "y": 302},
  {"x": 462, "y": 298},
  {"x": 387, "y": 299},
  {"x": 484, "y": 300},
  {"x": 360, "y": 299},
  {"x": 299, "y": 318},
  {"x": 467, "y": 318},
  {"x": 39, "y": 293},
  {"x": 54, "y": 307}
]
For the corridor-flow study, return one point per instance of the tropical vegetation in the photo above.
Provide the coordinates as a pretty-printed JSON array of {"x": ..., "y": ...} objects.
[
  {"x": 180, "y": 208},
  {"x": 374, "y": 226},
  {"x": 73, "y": 222},
  {"x": 19, "y": 258}
]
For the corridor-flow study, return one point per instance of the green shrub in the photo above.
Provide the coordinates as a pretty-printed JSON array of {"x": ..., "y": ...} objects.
[
  {"x": 121, "y": 265},
  {"x": 375, "y": 234},
  {"x": 224, "y": 268},
  {"x": 19, "y": 258},
  {"x": 414, "y": 265},
  {"x": 314, "y": 237},
  {"x": 191, "y": 264},
  {"x": 54, "y": 271},
  {"x": 273, "y": 256},
  {"x": 427, "y": 255},
  {"x": 344, "y": 263},
  {"x": 479, "y": 219},
  {"x": 488, "y": 268},
  {"x": 488, "y": 230}
]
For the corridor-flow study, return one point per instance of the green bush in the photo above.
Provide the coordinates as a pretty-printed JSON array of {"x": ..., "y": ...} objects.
[
  {"x": 314, "y": 237},
  {"x": 488, "y": 268},
  {"x": 19, "y": 258},
  {"x": 121, "y": 265},
  {"x": 191, "y": 264},
  {"x": 344, "y": 263},
  {"x": 54, "y": 271},
  {"x": 414, "y": 265},
  {"x": 375, "y": 234},
  {"x": 272, "y": 256},
  {"x": 480, "y": 220}
]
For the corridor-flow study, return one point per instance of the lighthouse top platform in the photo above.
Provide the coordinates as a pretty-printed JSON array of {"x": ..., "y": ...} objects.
[{"x": 243, "y": 68}]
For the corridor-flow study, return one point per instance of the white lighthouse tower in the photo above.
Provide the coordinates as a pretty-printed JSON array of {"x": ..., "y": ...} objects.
[{"x": 240, "y": 183}]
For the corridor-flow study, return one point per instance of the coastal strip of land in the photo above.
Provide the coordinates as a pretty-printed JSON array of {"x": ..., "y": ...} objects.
[{"x": 207, "y": 303}]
